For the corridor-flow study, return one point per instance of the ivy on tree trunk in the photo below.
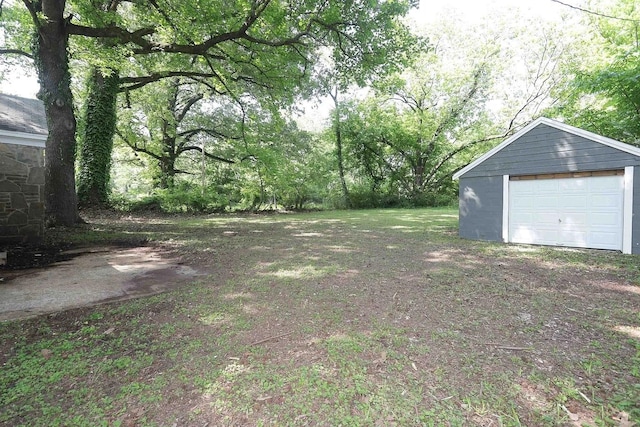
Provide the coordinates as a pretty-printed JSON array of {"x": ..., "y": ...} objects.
[
  {"x": 267, "y": 44},
  {"x": 97, "y": 139}
]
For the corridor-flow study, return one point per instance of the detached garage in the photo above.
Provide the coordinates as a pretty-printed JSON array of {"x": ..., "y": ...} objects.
[{"x": 554, "y": 184}]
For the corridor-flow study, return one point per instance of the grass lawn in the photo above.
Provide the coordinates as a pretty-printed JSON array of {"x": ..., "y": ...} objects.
[{"x": 363, "y": 318}]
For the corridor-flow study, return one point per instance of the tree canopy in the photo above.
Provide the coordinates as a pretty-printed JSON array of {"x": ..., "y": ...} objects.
[
  {"x": 267, "y": 43},
  {"x": 198, "y": 101},
  {"x": 602, "y": 93}
]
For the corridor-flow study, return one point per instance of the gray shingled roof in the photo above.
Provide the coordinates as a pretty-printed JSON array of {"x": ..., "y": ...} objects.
[{"x": 22, "y": 115}]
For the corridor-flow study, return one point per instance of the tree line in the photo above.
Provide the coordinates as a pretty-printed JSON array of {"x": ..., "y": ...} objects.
[{"x": 191, "y": 106}]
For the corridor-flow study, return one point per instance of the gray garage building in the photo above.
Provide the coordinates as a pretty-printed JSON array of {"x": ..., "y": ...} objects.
[{"x": 554, "y": 184}]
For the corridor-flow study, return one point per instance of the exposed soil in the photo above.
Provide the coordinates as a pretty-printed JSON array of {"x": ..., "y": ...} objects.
[{"x": 488, "y": 334}]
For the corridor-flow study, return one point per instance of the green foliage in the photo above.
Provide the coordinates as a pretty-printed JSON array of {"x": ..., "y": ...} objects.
[
  {"x": 99, "y": 127},
  {"x": 166, "y": 121},
  {"x": 602, "y": 92},
  {"x": 336, "y": 318},
  {"x": 406, "y": 142},
  {"x": 183, "y": 198},
  {"x": 472, "y": 88},
  {"x": 232, "y": 48},
  {"x": 254, "y": 158},
  {"x": 362, "y": 197}
]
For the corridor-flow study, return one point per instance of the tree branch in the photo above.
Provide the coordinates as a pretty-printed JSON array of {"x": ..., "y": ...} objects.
[
  {"x": 31, "y": 7},
  {"x": 136, "y": 148},
  {"x": 15, "y": 52},
  {"x": 188, "y": 134},
  {"x": 595, "y": 13},
  {"x": 138, "y": 82},
  {"x": 190, "y": 103},
  {"x": 209, "y": 155},
  {"x": 146, "y": 46},
  {"x": 115, "y": 32}
]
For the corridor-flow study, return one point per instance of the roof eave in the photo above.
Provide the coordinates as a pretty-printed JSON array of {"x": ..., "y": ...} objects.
[
  {"x": 23, "y": 138},
  {"x": 555, "y": 124},
  {"x": 497, "y": 148}
]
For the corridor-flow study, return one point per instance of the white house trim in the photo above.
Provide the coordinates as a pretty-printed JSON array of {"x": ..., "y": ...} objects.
[
  {"x": 627, "y": 216},
  {"x": 23, "y": 138},
  {"x": 505, "y": 208},
  {"x": 555, "y": 124}
]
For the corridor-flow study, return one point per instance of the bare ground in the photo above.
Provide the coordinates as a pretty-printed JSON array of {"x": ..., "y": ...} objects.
[
  {"x": 365, "y": 318},
  {"x": 82, "y": 277}
]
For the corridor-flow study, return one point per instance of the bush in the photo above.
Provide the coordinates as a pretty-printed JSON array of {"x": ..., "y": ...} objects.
[
  {"x": 364, "y": 198},
  {"x": 181, "y": 199}
]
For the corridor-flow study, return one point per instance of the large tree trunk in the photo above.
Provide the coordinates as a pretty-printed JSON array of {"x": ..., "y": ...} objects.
[
  {"x": 97, "y": 139},
  {"x": 167, "y": 176},
  {"x": 53, "y": 72},
  {"x": 339, "y": 154}
]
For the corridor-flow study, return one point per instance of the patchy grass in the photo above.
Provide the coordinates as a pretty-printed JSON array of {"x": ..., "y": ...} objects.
[{"x": 379, "y": 317}]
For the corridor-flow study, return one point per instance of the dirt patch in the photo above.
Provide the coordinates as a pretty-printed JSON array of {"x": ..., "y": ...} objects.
[
  {"x": 354, "y": 318},
  {"x": 85, "y": 276}
]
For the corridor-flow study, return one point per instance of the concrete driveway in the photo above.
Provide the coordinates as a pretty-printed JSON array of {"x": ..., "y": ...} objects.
[{"x": 97, "y": 276}]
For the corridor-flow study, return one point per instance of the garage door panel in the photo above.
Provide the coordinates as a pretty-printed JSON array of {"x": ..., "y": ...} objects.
[
  {"x": 546, "y": 218},
  {"x": 548, "y": 236},
  {"x": 544, "y": 185},
  {"x": 573, "y": 238},
  {"x": 606, "y": 184},
  {"x": 574, "y": 201},
  {"x": 522, "y": 217},
  {"x": 539, "y": 235},
  {"x": 579, "y": 212},
  {"x": 573, "y": 220},
  {"x": 605, "y": 220},
  {"x": 525, "y": 201},
  {"x": 606, "y": 201},
  {"x": 605, "y": 240},
  {"x": 568, "y": 185},
  {"x": 546, "y": 202},
  {"x": 524, "y": 234}
]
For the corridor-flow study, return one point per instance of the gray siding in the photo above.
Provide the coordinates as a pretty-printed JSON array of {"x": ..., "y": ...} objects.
[
  {"x": 635, "y": 221},
  {"x": 481, "y": 208},
  {"x": 545, "y": 149}
]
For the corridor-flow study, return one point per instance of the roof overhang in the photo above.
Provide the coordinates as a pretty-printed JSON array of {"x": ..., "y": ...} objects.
[
  {"x": 23, "y": 138},
  {"x": 555, "y": 124}
]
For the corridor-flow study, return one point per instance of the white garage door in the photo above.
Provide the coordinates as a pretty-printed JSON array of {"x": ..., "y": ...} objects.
[{"x": 578, "y": 212}]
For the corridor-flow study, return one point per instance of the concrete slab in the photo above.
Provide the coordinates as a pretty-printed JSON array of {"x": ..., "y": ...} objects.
[{"x": 101, "y": 275}]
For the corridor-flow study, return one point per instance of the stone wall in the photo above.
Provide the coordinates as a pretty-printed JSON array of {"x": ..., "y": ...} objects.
[{"x": 21, "y": 194}]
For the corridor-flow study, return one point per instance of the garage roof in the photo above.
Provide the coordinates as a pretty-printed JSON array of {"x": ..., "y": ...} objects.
[{"x": 558, "y": 125}]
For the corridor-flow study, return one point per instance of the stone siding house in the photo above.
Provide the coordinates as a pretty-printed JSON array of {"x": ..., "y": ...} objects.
[{"x": 23, "y": 132}]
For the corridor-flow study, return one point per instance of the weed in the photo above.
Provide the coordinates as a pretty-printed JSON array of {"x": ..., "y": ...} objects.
[{"x": 370, "y": 318}]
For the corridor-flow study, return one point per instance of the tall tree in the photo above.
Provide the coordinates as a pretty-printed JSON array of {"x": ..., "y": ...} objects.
[
  {"x": 99, "y": 117},
  {"x": 602, "y": 91},
  {"x": 169, "y": 119},
  {"x": 337, "y": 129},
  {"x": 96, "y": 141},
  {"x": 335, "y": 79},
  {"x": 273, "y": 39},
  {"x": 429, "y": 121}
]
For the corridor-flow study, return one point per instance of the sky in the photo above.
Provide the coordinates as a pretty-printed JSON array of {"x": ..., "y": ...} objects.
[
  {"x": 24, "y": 83},
  {"x": 476, "y": 10}
]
